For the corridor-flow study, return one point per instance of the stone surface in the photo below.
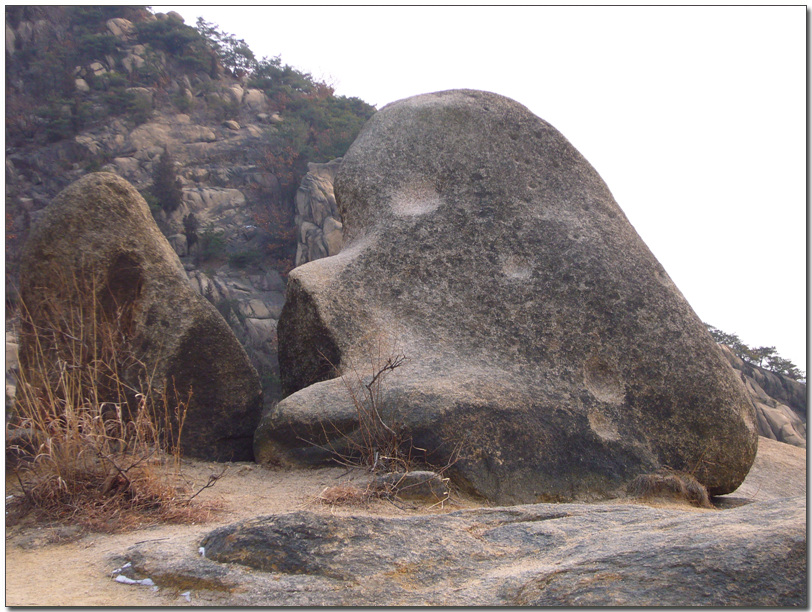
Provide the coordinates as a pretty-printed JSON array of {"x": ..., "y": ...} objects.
[
  {"x": 778, "y": 471},
  {"x": 179, "y": 243},
  {"x": 317, "y": 217},
  {"x": 780, "y": 401},
  {"x": 545, "y": 343},
  {"x": 635, "y": 556},
  {"x": 100, "y": 227},
  {"x": 123, "y": 29},
  {"x": 607, "y": 554}
]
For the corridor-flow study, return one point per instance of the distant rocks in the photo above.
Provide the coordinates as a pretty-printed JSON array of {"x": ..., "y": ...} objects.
[
  {"x": 121, "y": 28},
  {"x": 780, "y": 401},
  {"x": 251, "y": 303},
  {"x": 544, "y": 340},
  {"x": 214, "y": 124},
  {"x": 320, "y": 231},
  {"x": 100, "y": 228}
]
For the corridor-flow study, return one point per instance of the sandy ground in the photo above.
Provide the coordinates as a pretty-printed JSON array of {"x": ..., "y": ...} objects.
[{"x": 55, "y": 566}]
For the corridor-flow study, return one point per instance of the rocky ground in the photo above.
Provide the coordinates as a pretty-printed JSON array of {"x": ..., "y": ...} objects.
[
  {"x": 747, "y": 551},
  {"x": 57, "y": 565}
]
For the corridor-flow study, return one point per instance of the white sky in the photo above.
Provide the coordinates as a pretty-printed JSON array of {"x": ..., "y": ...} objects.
[{"x": 694, "y": 116}]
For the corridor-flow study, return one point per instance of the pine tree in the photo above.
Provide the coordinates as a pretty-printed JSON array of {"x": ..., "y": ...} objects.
[
  {"x": 190, "y": 227},
  {"x": 166, "y": 186}
]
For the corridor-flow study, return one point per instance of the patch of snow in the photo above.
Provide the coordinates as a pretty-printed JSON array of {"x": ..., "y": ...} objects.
[{"x": 144, "y": 582}]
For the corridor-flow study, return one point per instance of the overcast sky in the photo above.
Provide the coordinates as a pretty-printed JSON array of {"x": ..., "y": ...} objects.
[{"x": 694, "y": 116}]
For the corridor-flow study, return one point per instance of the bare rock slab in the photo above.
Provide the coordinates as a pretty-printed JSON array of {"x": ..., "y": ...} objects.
[
  {"x": 550, "y": 356},
  {"x": 607, "y": 554},
  {"x": 100, "y": 229},
  {"x": 534, "y": 555}
]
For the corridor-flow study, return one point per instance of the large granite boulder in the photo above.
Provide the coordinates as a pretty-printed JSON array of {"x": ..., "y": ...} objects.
[
  {"x": 549, "y": 355},
  {"x": 99, "y": 230}
]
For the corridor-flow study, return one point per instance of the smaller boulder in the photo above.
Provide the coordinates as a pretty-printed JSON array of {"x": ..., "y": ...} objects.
[
  {"x": 179, "y": 243},
  {"x": 11, "y": 40},
  {"x": 99, "y": 231},
  {"x": 142, "y": 95},
  {"x": 132, "y": 62},
  {"x": 121, "y": 28},
  {"x": 97, "y": 68},
  {"x": 255, "y": 100},
  {"x": 423, "y": 486}
]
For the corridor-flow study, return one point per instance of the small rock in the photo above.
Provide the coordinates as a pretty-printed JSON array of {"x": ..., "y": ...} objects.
[
  {"x": 97, "y": 68},
  {"x": 413, "y": 486}
]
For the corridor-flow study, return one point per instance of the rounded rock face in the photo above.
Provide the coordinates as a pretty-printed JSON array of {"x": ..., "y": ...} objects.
[
  {"x": 99, "y": 231},
  {"x": 550, "y": 356}
]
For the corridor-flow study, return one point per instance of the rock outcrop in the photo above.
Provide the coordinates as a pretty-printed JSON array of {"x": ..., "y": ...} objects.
[
  {"x": 100, "y": 229},
  {"x": 224, "y": 185},
  {"x": 550, "y": 356},
  {"x": 119, "y": 110},
  {"x": 318, "y": 222},
  {"x": 608, "y": 554},
  {"x": 780, "y": 401}
]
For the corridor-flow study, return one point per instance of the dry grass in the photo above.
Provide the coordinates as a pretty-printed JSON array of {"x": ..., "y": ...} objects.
[
  {"x": 671, "y": 484},
  {"x": 91, "y": 439},
  {"x": 346, "y": 494}
]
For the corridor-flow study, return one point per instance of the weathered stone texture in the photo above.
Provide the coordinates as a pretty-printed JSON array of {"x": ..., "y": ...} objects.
[
  {"x": 634, "y": 556},
  {"x": 317, "y": 219},
  {"x": 780, "y": 401},
  {"x": 545, "y": 342},
  {"x": 101, "y": 228},
  {"x": 606, "y": 554}
]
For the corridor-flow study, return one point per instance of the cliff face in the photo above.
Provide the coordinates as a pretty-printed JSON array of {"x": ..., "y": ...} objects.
[
  {"x": 116, "y": 88},
  {"x": 780, "y": 401}
]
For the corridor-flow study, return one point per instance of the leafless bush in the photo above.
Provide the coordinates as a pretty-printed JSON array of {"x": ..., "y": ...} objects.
[
  {"x": 378, "y": 445},
  {"x": 378, "y": 442}
]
